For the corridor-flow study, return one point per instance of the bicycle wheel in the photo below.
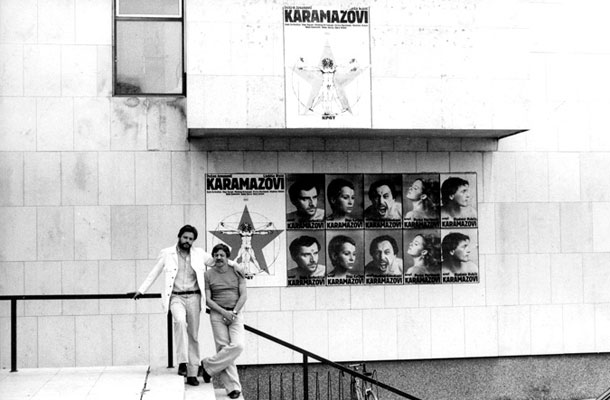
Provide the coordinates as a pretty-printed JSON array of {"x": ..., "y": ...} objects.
[{"x": 355, "y": 392}]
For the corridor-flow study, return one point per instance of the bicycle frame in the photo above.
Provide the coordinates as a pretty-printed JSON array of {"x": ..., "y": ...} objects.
[{"x": 359, "y": 389}]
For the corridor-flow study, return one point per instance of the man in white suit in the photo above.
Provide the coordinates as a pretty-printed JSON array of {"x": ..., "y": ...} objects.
[{"x": 184, "y": 267}]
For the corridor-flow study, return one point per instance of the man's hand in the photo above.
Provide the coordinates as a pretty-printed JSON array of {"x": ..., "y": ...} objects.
[{"x": 228, "y": 317}]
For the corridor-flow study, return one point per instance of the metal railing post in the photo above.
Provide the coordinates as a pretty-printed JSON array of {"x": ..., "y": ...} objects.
[
  {"x": 13, "y": 335},
  {"x": 170, "y": 341},
  {"x": 305, "y": 377}
]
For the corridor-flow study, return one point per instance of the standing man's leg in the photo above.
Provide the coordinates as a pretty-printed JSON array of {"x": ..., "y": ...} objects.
[
  {"x": 229, "y": 376},
  {"x": 193, "y": 313},
  {"x": 178, "y": 308},
  {"x": 229, "y": 345}
]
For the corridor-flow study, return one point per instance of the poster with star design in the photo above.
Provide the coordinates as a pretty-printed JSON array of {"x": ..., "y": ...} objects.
[
  {"x": 249, "y": 216},
  {"x": 327, "y": 65}
]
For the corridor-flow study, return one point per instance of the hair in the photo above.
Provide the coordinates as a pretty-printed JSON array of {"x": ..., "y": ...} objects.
[
  {"x": 223, "y": 247},
  {"x": 432, "y": 244},
  {"x": 382, "y": 238},
  {"x": 301, "y": 241},
  {"x": 334, "y": 188},
  {"x": 377, "y": 184},
  {"x": 336, "y": 243},
  {"x": 450, "y": 186},
  {"x": 188, "y": 228},
  {"x": 302, "y": 183},
  {"x": 451, "y": 242},
  {"x": 430, "y": 189}
]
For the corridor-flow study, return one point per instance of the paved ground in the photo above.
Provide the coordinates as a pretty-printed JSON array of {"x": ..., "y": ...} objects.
[{"x": 101, "y": 383}]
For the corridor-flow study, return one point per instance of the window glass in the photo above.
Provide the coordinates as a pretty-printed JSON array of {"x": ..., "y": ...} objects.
[
  {"x": 161, "y": 8},
  {"x": 149, "y": 57}
]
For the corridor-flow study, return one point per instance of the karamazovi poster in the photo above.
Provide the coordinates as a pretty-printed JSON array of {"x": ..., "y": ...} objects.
[
  {"x": 247, "y": 213},
  {"x": 327, "y": 63},
  {"x": 347, "y": 229}
]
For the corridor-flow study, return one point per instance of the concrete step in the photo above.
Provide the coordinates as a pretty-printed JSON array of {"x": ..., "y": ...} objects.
[
  {"x": 205, "y": 391},
  {"x": 164, "y": 384},
  {"x": 91, "y": 383},
  {"x": 221, "y": 394}
]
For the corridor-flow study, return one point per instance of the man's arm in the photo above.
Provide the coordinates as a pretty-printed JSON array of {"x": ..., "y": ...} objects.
[
  {"x": 209, "y": 262},
  {"x": 243, "y": 295},
  {"x": 152, "y": 276}
]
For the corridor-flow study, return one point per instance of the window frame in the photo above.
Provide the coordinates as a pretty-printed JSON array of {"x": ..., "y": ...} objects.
[{"x": 146, "y": 18}]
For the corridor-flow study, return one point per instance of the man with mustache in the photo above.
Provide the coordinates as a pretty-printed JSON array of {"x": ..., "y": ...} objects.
[
  {"x": 384, "y": 251},
  {"x": 184, "y": 267},
  {"x": 304, "y": 251},
  {"x": 383, "y": 202},
  {"x": 303, "y": 194}
]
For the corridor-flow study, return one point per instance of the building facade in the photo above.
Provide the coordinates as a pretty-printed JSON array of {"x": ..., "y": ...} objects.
[{"x": 94, "y": 185}]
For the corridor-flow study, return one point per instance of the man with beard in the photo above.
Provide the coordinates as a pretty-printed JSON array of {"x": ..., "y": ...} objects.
[
  {"x": 303, "y": 195},
  {"x": 184, "y": 267},
  {"x": 383, "y": 202},
  {"x": 304, "y": 251},
  {"x": 384, "y": 251}
]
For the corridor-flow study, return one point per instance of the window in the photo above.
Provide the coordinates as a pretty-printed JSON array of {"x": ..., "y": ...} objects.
[{"x": 148, "y": 47}]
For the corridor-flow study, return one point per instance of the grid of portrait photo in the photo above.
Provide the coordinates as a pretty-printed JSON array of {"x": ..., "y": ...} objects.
[{"x": 381, "y": 229}]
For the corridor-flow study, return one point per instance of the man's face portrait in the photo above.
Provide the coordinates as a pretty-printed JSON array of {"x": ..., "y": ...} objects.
[
  {"x": 185, "y": 241},
  {"x": 220, "y": 258},
  {"x": 383, "y": 255},
  {"x": 307, "y": 258},
  {"x": 383, "y": 201},
  {"x": 307, "y": 202}
]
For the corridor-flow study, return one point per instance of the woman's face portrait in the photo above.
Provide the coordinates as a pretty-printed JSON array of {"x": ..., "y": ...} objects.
[
  {"x": 462, "y": 251},
  {"x": 461, "y": 196},
  {"x": 346, "y": 257},
  {"x": 416, "y": 246},
  {"x": 415, "y": 190},
  {"x": 344, "y": 202}
]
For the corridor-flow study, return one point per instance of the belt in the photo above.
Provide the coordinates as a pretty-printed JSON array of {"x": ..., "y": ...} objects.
[{"x": 187, "y": 292}]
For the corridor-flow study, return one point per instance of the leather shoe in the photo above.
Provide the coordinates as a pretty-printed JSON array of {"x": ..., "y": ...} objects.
[
  {"x": 182, "y": 369},
  {"x": 192, "y": 380},
  {"x": 204, "y": 374},
  {"x": 234, "y": 394}
]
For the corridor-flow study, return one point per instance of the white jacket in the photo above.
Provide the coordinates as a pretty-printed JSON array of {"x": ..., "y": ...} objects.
[{"x": 168, "y": 263}]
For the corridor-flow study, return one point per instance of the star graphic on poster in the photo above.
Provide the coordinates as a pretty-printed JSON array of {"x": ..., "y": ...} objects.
[
  {"x": 328, "y": 81},
  {"x": 250, "y": 240}
]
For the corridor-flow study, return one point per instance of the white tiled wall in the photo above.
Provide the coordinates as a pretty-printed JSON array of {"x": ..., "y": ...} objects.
[{"x": 91, "y": 186}]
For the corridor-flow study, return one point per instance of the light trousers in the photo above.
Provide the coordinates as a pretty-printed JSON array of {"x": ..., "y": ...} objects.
[
  {"x": 229, "y": 341},
  {"x": 186, "y": 311}
]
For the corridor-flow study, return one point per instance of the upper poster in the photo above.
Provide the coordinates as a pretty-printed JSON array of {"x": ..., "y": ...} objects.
[
  {"x": 246, "y": 212},
  {"x": 327, "y": 62}
]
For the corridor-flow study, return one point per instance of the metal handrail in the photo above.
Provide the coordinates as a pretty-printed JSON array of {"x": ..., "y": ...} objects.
[
  {"x": 13, "y": 299},
  {"x": 306, "y": 353}
]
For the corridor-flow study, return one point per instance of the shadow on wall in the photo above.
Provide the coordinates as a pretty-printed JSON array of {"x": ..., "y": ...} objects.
[{"x": 127, "y": 88}]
